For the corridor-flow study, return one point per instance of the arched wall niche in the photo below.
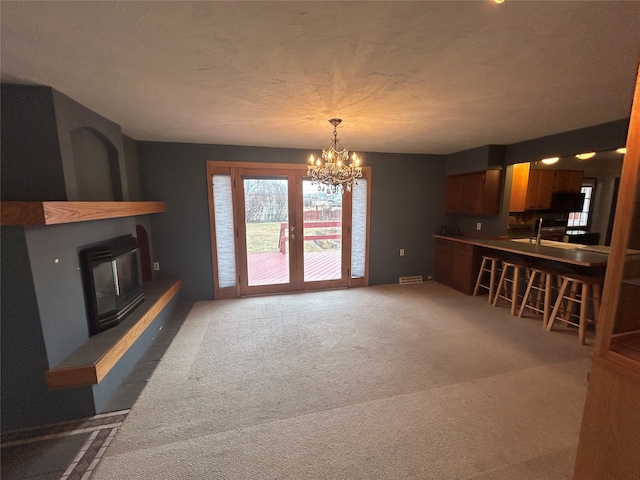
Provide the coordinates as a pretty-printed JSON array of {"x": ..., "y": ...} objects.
[{"x": 96, "y": 164}]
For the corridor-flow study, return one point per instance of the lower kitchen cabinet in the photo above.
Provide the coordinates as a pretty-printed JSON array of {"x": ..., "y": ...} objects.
[{"x": 456, "y": 265}]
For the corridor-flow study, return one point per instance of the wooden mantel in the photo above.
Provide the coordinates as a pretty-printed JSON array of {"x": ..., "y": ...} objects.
[{"x": 54, "y": 213}]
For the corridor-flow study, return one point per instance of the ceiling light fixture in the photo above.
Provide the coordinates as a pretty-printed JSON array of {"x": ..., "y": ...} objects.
[
  {"x": 585, "y": 156},
  {"x": 550, "y": 160},
  {"x": 622, "y": 151},
  {"x": 332, "y": 171},
  {"x": 498, "y": 1}
]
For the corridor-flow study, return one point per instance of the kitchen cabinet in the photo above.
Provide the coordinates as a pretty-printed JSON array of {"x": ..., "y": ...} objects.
[
  {"x": 519, "y": 182},
  {"x": 540, "y": 189},
  {"x": 533, "y": 189},
  {"x": 568, "y": 181},
  {"x": 476, "y": 193},
  {"x": 456, "y": 265},
  {"x": 453, "y": 194}
]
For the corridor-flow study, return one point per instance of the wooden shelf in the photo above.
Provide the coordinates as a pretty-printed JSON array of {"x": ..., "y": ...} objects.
[
  {"x": 54, "y": 213},
  {"x": 95, "y": 358}
]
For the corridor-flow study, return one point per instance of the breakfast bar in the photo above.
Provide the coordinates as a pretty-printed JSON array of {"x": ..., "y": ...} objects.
[
  {"x": 566, "y": 253},
  {"x": 458, "y": 258}
]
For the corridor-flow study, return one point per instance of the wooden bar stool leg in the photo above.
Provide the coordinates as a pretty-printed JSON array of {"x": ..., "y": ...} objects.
[
  {"x": 558, "y": 304},
  {"x": 500, "y": 285},
  {"x": 514, "y": 289},
  {"x": 547, "y": 299},
  {"x": 492, "y": 281},
  {"x": 584, "y": 305},
  {"x": 540, "y": 287},
  {"x": 479, "y": 280},
  {"x": 571, "y": 300},
  {"x": 527, "y": 292}
]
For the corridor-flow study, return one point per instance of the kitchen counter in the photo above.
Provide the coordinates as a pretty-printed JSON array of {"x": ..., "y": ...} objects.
[{"x": 571, "y": 256}]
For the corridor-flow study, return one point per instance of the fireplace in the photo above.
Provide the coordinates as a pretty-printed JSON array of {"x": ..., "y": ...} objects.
[{"x": 112, "y": 281}]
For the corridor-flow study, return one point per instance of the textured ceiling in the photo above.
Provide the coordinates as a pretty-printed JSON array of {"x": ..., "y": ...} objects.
[{"x": 414, "y": 77}]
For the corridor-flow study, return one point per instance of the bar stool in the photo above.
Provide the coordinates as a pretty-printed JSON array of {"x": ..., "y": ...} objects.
[
  {"x": 543, "y": 291},
  {"x": 489, "y": 265},
  {"x": 516, "y": 267},
  {"x": 582, "y": 290}
]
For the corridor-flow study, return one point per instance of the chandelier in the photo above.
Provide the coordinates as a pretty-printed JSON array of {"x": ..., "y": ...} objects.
[{"x": 332, "y": 172}]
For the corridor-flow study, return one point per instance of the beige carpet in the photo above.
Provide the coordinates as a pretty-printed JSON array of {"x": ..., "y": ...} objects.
[{"x": 388, "y": 382}]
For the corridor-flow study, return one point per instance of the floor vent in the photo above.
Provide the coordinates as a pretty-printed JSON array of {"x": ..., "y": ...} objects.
[{"x": 408, "y": 280}]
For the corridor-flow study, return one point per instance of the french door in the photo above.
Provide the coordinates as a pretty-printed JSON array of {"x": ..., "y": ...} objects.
[{"x": 274, "y": 232}]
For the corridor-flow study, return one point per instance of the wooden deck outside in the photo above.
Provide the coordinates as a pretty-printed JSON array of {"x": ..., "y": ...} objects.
[{"x": 273, "y": 268}]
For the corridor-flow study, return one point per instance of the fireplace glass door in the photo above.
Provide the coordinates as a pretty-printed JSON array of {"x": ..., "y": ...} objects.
[{"x": 112, "y": 280}]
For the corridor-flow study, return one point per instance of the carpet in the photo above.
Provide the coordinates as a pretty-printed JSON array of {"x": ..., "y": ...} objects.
[{"x": 386, "y": 382}]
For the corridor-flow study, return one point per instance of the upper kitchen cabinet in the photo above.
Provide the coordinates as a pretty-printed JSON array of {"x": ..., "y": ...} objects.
[
  {"x": 453, "y": 194},
  {"x": 476, "y": 193},
  {"x": 540, "y": 189},
  {"x": 568, "y": 180},
  {"x": 533, "y": 189}
]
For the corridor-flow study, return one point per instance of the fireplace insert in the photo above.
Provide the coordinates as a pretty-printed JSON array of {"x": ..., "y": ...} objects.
[{"x": 112, "y": 281}]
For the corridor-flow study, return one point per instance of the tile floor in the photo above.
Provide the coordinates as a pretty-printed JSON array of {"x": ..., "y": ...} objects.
[{"x": 72, "y": 450}]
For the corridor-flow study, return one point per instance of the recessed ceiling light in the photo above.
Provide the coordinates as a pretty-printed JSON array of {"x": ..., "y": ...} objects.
[
  {"x": 550, "y": 161},
  {"x": 621, "y": 150},
  {"x": 498, "y": 1},
  {"x": 585, "y": 156}
]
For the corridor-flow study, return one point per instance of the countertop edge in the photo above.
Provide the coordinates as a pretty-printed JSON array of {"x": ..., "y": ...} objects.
[{"x": 572, "y": 257}]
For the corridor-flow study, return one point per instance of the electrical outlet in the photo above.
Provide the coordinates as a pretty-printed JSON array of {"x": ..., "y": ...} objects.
[
  {"x": 402, "y": 252},
  {"x": 478, "y": 226},
  {"x": 156, "y": 266}
]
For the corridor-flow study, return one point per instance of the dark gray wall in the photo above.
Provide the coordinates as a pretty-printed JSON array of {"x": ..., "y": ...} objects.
[
  {"x": 133, "y": 174},
  {"x": 598, "y": 138},
  {"x": 476, "y": 159},
  {"x": 70, "y": 116},
  {"x": 25, "y": 398},
  {"x": 92, "y": 167},
  {"x": 406, "y": 208},
  {"x": 30, "y": 153},
  {"x": 39, "y": 161}
]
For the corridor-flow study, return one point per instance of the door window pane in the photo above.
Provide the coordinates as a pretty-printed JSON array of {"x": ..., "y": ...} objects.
[
  {"x": 322, "y": 227},
  {"x": 267, "y": 227}
]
